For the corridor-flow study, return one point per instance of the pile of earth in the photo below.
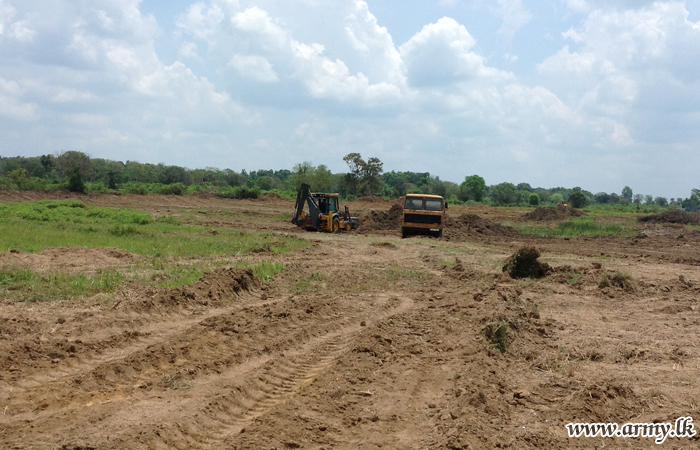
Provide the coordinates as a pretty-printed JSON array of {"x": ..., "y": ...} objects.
[
  {"x": 476, "y": 225},
  {"x": 381, "y": 220},
  {"x": 215, "y": 288},
  {"x": 269, "y": 196},
  {"x": 551, "y": 213},
  {"x": 672, "y": 216}
]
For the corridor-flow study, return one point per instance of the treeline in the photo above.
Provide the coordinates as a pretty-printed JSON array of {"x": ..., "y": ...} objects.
[{"x": 77, "y": 171}]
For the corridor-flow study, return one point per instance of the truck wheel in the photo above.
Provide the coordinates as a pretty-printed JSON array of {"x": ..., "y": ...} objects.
[
  {"x": 404, "y": 233},
  {"x": 336, "y": 225},
  {"x": 439, "y": 234}
]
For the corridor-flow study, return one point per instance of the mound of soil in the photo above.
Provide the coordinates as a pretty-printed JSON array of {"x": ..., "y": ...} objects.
[
  {"x": 551, "y": 213},
  {"x": 213, "y": 289},
  {"x": 69, "y": 259},
  {"x": 672, "y": 216},
  {"x": 477, "y": 225},
  {"x": 382, "y": 220}
]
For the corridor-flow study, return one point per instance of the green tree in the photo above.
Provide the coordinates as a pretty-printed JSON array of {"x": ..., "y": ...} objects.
[
  {"x": 627, "y": 193},
  {"x": 265, "y": 183},
  {"x": 661, "y": 201},
  {"x": 533, "y": 199},
  {"x": 473, "y": 188},
  {"x": 364, "y": 175},
  {"x": 67, "y": 162},
  {"x": 578, "y": 199},
  {"x": 524, "y": 187},
  {"x": 47, "y": 161},
  {"x": 603, "y": 197},
  {"x": 556, "y": 198},
  {"x": 503, "y": 194}
]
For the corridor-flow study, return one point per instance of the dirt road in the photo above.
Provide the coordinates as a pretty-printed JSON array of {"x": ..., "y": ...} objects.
[{"x": 364, "y": 341}]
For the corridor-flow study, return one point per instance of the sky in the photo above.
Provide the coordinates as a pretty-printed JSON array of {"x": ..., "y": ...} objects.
[{"x": 592, "y": 93}]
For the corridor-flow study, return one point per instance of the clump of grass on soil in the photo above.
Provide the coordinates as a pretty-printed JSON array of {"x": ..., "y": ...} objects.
[
  {"x": 618, "y": 280},
  {"x": 498, "y": 335},
  {"x": 524, "y": 264}
]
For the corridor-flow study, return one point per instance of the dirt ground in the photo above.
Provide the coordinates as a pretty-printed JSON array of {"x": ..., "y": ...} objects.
[{"x": 365, "y": 341}]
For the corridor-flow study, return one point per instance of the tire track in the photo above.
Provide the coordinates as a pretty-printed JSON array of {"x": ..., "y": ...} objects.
[
  {"x": 150, "y": 335},
  {"x": 238, "y": 403}
]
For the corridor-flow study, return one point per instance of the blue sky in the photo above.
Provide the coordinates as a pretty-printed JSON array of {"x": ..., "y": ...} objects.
[{"x": 591, "y": 93}]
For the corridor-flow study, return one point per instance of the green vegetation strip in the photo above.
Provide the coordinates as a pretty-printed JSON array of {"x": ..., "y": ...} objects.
[
  {"x": 573, "y": 227},
  {"x": 32, "y": 227}
]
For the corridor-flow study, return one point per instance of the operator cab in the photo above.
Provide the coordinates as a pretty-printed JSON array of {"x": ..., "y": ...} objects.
[{"x": 326, "y": 204}]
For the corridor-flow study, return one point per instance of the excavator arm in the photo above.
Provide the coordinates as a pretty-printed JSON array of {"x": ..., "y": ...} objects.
[{"x": 304, "y": 196}]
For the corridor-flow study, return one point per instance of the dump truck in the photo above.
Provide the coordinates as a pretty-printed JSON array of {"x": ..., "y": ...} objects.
[
  {"x": 423, "y": 214},
  {"x": 321, "y": 212}
]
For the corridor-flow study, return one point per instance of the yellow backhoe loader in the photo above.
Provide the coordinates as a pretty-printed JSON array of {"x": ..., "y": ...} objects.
[{"x": 322, "y": 212}]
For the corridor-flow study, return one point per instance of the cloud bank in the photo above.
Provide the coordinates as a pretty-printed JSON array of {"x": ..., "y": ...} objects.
[{"x": 267, "y": 84}]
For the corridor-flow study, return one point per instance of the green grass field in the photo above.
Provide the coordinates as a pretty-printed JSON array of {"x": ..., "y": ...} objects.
[{"x": 32, "y": 227}]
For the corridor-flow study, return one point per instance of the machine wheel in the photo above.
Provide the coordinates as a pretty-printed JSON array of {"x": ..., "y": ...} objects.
[
  {"x": 404, "y": 233},
  {"x": 336, "y": 225},
  {"x": 439, "y": 234}
]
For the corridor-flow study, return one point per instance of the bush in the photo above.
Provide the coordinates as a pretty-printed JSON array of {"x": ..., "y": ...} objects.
[
  {"x": 75, "y": 182},
  {"x": 533, "y": 199},
  {"x": 238, "y": 192},
  {"x": 578, "y": 199},
  {"x": 133, "y": 187}
]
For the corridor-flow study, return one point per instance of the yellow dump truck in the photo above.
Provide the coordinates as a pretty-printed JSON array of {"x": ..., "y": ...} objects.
[{"x": 423, "y": 214}]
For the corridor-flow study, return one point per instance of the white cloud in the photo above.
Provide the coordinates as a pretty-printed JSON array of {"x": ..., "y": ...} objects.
[
  {"x": 514, "y": 16},
  {"x": 188, "y": 50},
  {"x": 11, "y": 105},
  {"x": 255, "y": 67},
  {"x": 440, "y": 54}
]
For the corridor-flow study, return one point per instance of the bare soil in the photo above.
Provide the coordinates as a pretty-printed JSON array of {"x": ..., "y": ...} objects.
[{"x": 366, "y": 340}]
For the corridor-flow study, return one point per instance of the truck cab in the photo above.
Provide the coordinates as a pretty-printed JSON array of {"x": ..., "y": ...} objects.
[{"x": 423, "y": 214}]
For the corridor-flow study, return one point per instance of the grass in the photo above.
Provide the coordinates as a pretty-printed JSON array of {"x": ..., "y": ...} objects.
[
  {"x": 32, "y": 227},
  {"x": 265, "y": 270},
  {"x": 497, "y": 334},
  {"x": 573, "y": 227},
  {"x": 310, "y": 284},
  {"x": 28, "y": 285}
]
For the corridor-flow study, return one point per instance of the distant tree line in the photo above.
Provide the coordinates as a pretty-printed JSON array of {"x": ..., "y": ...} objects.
[{"x": 77, "y": 171}]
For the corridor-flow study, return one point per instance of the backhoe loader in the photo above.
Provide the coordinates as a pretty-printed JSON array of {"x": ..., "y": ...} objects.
[{"x": 322, "y": 212}]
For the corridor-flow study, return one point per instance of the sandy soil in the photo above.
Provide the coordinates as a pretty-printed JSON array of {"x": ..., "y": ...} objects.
[{"x": 387, "y": 346}]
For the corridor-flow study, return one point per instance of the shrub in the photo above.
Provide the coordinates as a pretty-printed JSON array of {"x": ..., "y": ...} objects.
[
  {"x": 238, "y": 192},
  {"x": 75, "y": 182},
  {"x": 533, "y": 199},
  {"x": 578, "y": 199}
]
